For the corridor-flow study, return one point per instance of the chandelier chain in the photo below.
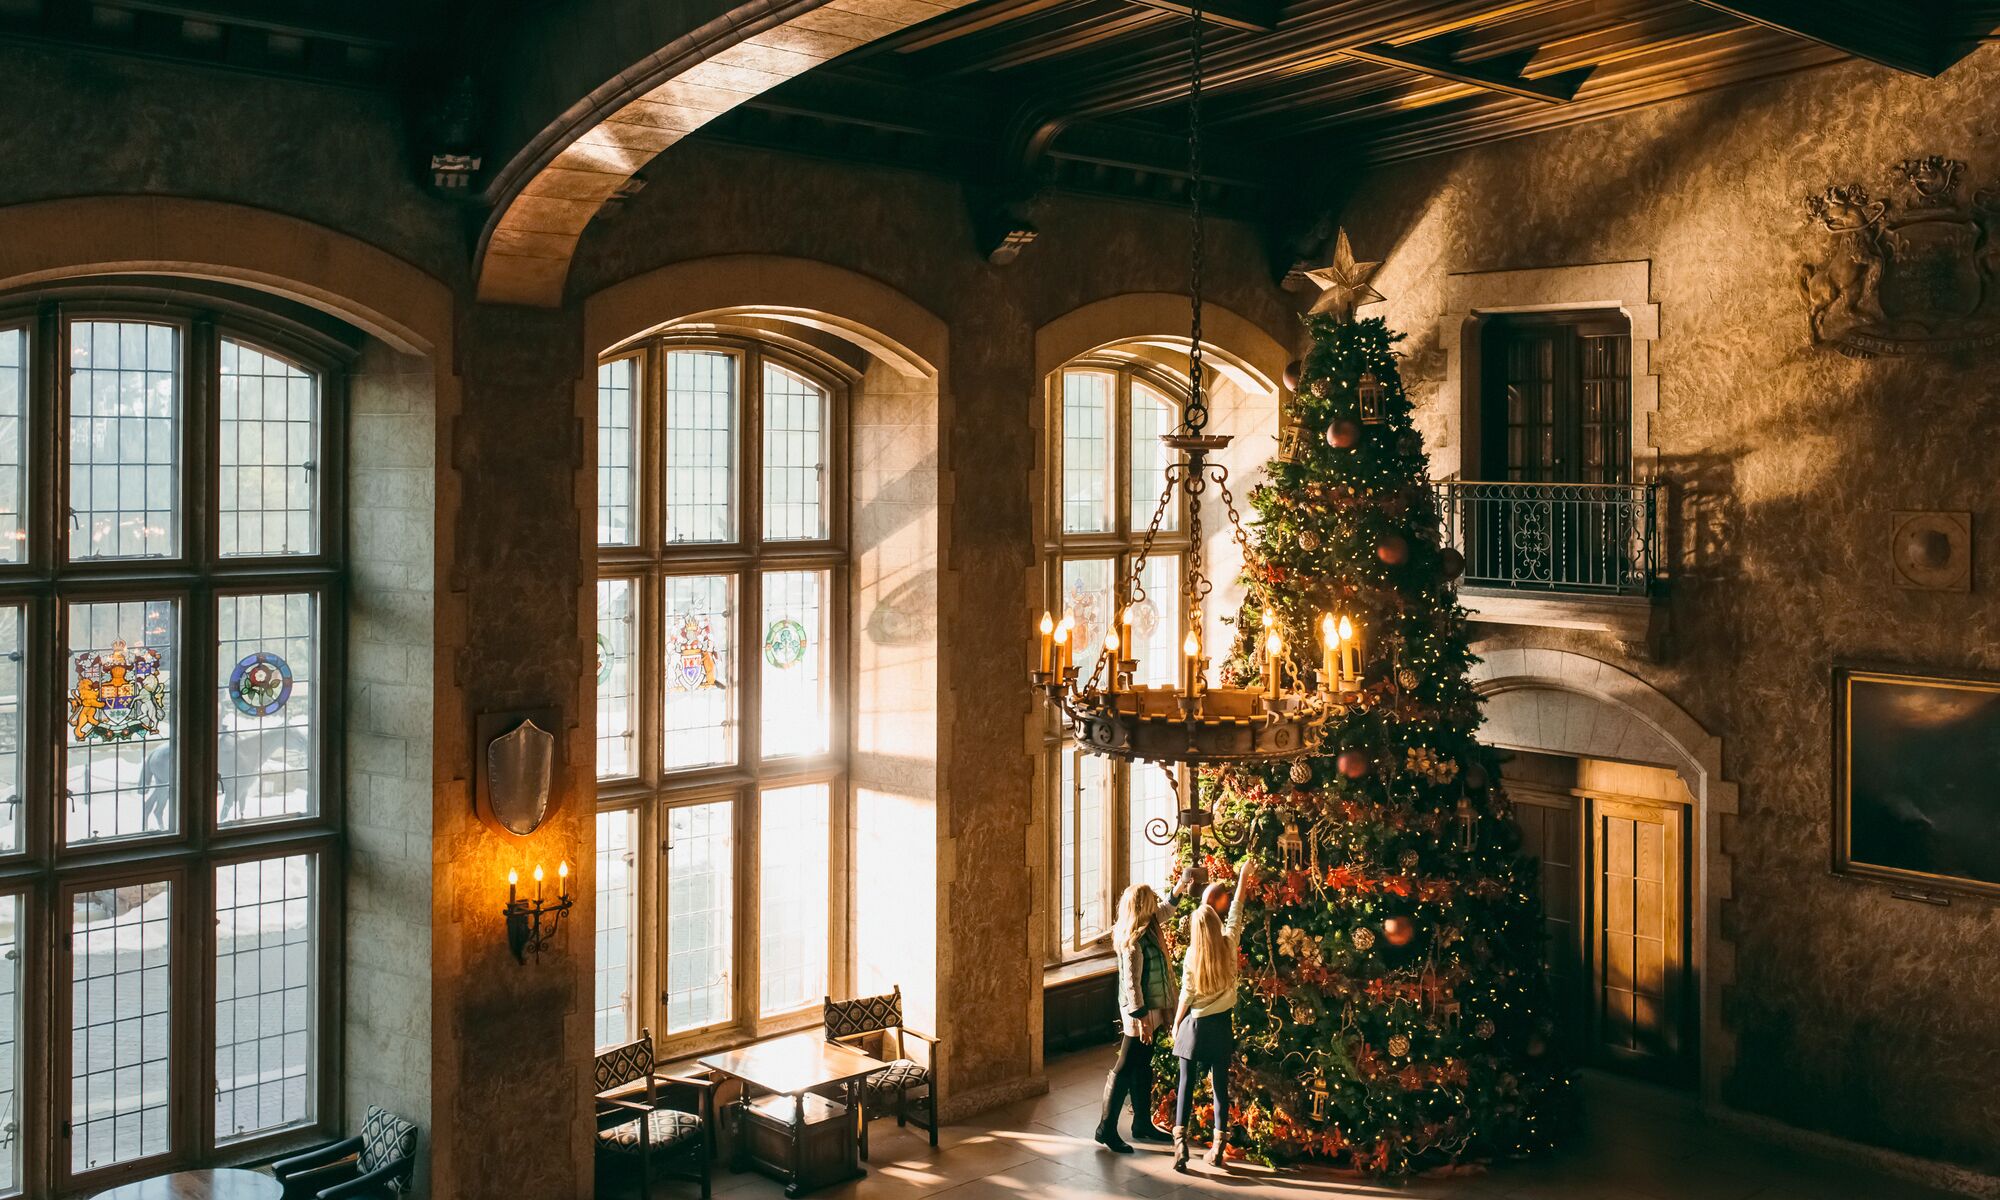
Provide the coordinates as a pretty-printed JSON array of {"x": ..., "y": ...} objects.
[{"x": 1197, "y": 410}]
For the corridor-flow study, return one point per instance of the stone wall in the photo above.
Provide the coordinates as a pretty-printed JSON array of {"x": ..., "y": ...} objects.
[{"x": 1852, "y": 1012}]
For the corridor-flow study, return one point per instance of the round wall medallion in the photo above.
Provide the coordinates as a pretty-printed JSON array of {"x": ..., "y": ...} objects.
[
  {"x": 261, "y": 684},
  {"x": 1933, "y": 550}
]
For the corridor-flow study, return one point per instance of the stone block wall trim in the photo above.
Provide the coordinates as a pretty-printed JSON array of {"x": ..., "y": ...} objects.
[
  {"x": 1626, "y": 286},
  {"x": 1647, "y": 726},
  {"x": 526, "y": 251}
]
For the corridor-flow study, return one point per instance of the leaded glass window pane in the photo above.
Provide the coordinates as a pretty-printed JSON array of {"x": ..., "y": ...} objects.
[
  {"x": 13, "y": 645},
  {"x": 795, "y": 439},
  {"x": 120, "y": 734},
  {"x": 1090, "y": 603},
  {"x": 266, "y": 988},
  {"x": 124, "y": 440},
  {"x": 267, "y": 706},
  {"x": 795, "y": 674},
  {"x": 121, "y": 1029},
  {"x": 701, "y": 903},
  {"x": 700, "y": 671},
  {"x": 13, "y": 442},
  {"x": 1153, "y": 799},
  {"x": 268, "y": 470},
  {"x": 617, "y": 689},
  {"x": 701, "y": 446},
  {"x": 617, "y": 926},
  {"x": 618, "y": 452},
  {"x": 10, "y": 1043},
  {"x": 1084, "y": 785},
  {"x": 792, "y": 921},
  {"x": 1086, "y": 450},
  {"x": 1156, "y": 623},
  {"x": 1152, "y": 416}
]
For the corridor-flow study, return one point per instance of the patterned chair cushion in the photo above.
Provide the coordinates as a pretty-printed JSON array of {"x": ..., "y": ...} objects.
[
  {"x": 385, "y": 1137},
  {"x": 625, "y": 1064},
  {"x": 901, "y": 1074},
  {"x": 670, "y": 1129}
]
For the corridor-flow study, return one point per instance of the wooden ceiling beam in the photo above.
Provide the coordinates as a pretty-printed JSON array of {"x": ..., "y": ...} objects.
[
  {"x": 1257, "y": 16},
  {"x": 1489, "y": 75},
  {"x": 964, "y": 23},
  {"x": 1906, "y": 36}
]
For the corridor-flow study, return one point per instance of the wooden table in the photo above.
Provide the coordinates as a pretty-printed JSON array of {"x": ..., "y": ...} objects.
[
  {"x": 805, "y": 1141},
  {"x": 200, "y": 1185}
]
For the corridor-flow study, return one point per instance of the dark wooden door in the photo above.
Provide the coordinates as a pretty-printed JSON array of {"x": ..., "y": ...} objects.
[{"x": 1557, "y": 398}]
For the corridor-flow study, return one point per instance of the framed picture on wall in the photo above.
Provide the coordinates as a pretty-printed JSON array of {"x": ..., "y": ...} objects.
[{"x": 1916, "y": 779}]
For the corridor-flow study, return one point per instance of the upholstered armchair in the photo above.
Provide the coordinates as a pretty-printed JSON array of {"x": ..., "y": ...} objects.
[
  {"x": 637, "y": 1130},
  {"x": 374, "y": 1165},
  {"x": 875, "y": 1024}
]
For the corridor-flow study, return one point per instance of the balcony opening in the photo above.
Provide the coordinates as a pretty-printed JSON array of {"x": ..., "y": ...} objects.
[{"x": 1549, "y": 502}]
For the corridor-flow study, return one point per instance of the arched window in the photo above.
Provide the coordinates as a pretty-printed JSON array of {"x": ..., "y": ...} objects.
[
  {"x": 170, "y": 601},
  {"x": 1106, "y": 418},
  {"x": 721, "y": 681}
]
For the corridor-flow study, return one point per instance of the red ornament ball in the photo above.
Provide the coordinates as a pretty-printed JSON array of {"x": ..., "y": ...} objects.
[
  {"x": 1294, "y": 371},
  {"x": 1451, "y": 563},
  {"x": 1344, "y": 433},
  {"x": 1353, "y": 763},
  {"x": 1399, "y": 930},
  {"x": 1393, "y": 550}
]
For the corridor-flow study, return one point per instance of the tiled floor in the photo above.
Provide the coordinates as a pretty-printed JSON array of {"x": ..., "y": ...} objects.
[{"x": 1637, "y": 1145}]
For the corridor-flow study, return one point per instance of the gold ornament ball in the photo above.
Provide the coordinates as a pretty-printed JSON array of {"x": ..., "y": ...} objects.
[
  {"x": 1302, "y": 772},
  {"x": 1399, "y": 1045},
  {"x": 1308, "y": 540},
  {"x": 1364, "y": 940},
  {"x": 1408, "y": 679},
  {"x": 1409, "y": 860},
  {"x": 1484, "y": 1029}
]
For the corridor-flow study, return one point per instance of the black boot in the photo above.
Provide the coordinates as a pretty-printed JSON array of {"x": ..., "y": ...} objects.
[
  {"x": 1143, "y": 1129},
  {"x": 1107, "y": 1122}
]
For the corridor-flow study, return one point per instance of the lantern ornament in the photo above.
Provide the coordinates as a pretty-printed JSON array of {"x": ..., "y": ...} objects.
[
  {"x": 1319, "y": 1097},
  {"x": 1294, "y": 437},
  {"x": 1369, "y": 395}
]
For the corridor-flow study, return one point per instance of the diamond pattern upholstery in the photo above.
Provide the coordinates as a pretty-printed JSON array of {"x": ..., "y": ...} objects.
[
  {"x": 668, "y": 1130},
  {"x": 625, "y": 1064},
  {"x": 869, "y": 1014},
  {"x": 901, "y": 1074},
  {"x": 385, "y": 1138}
]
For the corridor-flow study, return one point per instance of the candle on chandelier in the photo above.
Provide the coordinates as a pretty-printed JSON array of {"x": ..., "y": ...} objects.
[
  {"x": 1111, "y": 662},
  {"x": 1048, "y": 643},
  {"x": 1191, "y": 665},
  {"x": 1062, "y": 644},
  {"x": 1350, "y": 653},
  {"x": 1131, "y": 645},
  {"x": 1274, "y": 648},
  {"x": 1329, "y": 636}
]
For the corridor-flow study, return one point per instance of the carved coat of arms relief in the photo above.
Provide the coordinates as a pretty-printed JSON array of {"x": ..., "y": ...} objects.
[{"x": 1911, "y": 272}]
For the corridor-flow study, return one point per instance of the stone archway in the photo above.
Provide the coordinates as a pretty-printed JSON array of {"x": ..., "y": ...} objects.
[{"x": 1560, "y": 702}]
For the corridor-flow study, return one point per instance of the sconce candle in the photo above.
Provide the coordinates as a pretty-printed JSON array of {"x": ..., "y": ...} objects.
[
  {"x": 562, "y": 879},
  {"x": 1048, "y": 643},
  {"x": 532, "y": 923},
  {"x": 513, "y": 882}
]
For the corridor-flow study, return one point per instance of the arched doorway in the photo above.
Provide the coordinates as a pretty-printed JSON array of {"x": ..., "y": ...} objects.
[{"x": 1616, "y": 786}]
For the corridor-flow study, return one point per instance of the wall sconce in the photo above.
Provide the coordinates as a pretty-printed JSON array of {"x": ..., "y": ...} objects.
[{"x": 531, "y": 924}]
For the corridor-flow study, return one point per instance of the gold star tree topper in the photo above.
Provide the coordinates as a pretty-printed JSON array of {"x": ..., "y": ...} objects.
[{"x": 1343, "y": 283}]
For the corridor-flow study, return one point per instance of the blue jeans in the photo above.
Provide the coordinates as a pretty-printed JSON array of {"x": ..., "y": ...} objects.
[{"x": 1218, "y": 1082}]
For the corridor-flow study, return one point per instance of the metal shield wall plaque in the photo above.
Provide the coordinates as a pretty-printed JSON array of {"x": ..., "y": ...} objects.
[{"x": 519, "y": 770}]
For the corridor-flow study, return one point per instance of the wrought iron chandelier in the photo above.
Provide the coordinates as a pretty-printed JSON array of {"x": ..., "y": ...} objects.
[{"x": 1191, "y": 722}]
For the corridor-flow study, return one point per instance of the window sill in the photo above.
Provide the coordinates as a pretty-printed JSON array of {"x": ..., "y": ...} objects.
[
  {"x": 1077, "y": 970},
  {"x": 1630, "y": 619}
]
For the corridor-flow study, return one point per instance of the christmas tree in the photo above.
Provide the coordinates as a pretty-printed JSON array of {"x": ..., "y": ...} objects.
[{"x": 1392, "y": 1011}]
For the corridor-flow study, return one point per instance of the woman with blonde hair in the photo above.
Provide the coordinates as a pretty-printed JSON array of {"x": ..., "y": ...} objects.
[
  {"x": 1204, "y": 1032},
  {"x": 1145, "y": 988}
]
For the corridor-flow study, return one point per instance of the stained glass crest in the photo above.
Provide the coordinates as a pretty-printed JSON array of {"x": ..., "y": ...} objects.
[
  {"x": 117, "y": 696},
  {"x": 784, "y": 643},
  {"x": 691, "y": 655}
]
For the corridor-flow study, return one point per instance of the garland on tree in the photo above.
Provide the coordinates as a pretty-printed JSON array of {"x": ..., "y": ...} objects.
[{"x": 1391, "y": 1016}]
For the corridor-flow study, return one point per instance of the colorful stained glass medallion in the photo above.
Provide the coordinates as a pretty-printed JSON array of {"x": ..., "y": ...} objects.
[
  {"x": 1086, "y": 608},
  {"x": 691, "y": 655},
  {"x": 117, "y": 696},
  {"x": 785, "y": 643},
  {"x": 603, "y": 658},
  {"x": 261, "y": 684}
]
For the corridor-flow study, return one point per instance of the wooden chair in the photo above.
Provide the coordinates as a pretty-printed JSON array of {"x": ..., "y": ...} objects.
[
  {"x": 875, "y": 1024},
  {"x": 635, "y": 1128},
  {"x": 374, "y": 1165}
]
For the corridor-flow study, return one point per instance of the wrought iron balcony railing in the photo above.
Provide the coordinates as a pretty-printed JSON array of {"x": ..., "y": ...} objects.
[{"x": 1596, "y": 538}]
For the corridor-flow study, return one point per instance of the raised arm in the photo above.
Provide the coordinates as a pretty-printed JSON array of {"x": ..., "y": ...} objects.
[{"x": 1246, "y": 876}]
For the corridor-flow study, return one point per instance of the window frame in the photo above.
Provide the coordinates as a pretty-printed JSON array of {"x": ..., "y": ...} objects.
[
  {"x": 653, "y": 789},
  {"x": 46, "y": 870},
  {"x": 1120, "y": 544},
  {"x": 1568, "y": 329}
]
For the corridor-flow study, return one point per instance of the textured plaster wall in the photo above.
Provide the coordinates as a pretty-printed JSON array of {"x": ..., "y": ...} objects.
[
  {"x": 1853, "y": 1013},
  {"x": 913, "y": 233}
]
